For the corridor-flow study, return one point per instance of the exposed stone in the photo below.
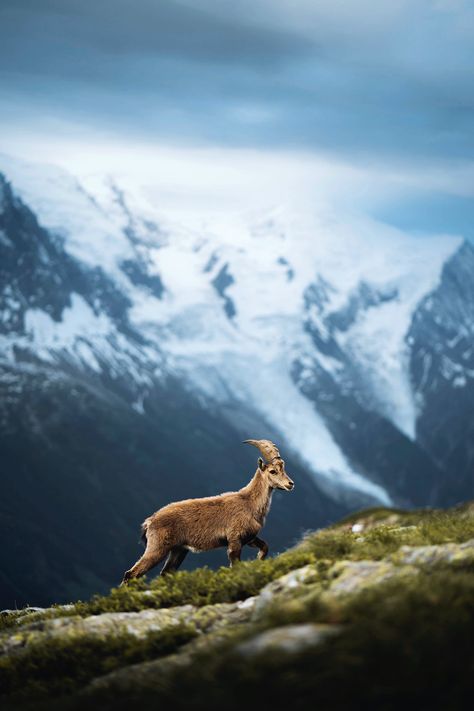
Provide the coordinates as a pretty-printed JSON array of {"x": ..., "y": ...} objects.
[
  {"x": 353, "y": 576},
  {"x": 430, "y": 555},
  {"x": 286, "y": 586},
  {"x": 139, "y": 624},
  {"x": 234, "y": 627},
  {"x": 291, "y": 639}
]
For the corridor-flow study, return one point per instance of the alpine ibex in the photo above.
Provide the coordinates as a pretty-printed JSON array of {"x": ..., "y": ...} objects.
[{"x": 233, "y": 519}]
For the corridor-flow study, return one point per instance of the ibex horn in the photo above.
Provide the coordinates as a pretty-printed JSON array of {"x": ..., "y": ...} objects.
[{"x": 267, "y": 448}]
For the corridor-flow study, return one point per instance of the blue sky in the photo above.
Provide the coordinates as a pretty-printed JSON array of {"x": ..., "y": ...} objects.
[{"x": 379, "y": 90}]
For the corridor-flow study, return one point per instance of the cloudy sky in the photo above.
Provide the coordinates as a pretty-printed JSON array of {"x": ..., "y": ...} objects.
[{"x": 369, "y": 101}]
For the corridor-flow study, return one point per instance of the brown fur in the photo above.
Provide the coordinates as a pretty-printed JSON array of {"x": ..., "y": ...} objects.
[{"x": 233, "y": 519}]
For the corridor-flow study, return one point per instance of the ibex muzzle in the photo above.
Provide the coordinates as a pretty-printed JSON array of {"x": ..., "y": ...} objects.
[{"x": 233, "y": 519}]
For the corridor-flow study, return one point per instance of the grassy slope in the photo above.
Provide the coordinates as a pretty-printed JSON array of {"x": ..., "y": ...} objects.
[{"x": 405, "y": 637}]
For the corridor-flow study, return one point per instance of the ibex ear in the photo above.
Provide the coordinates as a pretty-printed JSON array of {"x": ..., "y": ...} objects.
[{"x": 261, "y": 464}]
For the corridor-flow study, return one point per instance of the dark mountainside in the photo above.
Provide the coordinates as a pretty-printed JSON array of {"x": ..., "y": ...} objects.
[
  {"x": 80, "y": 468},
  {"x": 82, "y": 464}
]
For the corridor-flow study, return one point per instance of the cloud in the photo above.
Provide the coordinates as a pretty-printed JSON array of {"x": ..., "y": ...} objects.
[
  {"x": 118, "y": 28},
  {"x": 357, "y": 78}
]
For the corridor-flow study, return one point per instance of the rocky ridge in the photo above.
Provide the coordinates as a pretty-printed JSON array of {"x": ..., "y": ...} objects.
[{"x": 380, "y": 586}]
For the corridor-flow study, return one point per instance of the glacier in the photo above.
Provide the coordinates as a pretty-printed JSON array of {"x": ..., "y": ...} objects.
[{"x": 234, "y": 340}]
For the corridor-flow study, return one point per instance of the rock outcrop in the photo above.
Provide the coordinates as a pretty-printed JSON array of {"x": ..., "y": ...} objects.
[{"x": 354, "y": 604}]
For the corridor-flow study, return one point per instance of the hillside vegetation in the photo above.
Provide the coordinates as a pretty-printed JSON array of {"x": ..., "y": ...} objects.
[{"x": 376, "y": 611}]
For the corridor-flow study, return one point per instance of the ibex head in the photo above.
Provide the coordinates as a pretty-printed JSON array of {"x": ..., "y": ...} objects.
[{"x": 274, "y": 466}]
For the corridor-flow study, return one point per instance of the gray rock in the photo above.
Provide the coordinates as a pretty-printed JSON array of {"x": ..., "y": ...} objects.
[
  {"x": 139, "y": 624},
  {"x": 290, "y": 639},
  {"x": 294, "y": 582},
  {"x": 430, "y": 555},
  {"x": 152, "y": 674},
  {"x": 353, "y": 576},
  {"x": 224, "y": 622}
]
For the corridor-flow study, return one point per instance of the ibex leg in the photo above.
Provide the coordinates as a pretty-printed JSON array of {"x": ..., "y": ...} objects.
[
  {"x": 234, "y": 549},
  {"x": 174, "y": 560},
  {"x": 263, "y": 547},
  {"x": 157, "y": 548}
]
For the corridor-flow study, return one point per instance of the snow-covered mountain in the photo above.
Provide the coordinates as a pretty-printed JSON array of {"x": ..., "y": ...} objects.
[{"x": 348, "y": 342}]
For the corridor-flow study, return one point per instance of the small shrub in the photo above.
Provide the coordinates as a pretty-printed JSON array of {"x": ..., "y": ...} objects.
[
  {"x": 198, "y": 587},
  {"x": 416, "y": 528}
]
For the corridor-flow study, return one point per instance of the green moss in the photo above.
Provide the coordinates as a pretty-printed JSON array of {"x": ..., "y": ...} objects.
[
  {"x": 402, "y": 645},
  {"x": 409, "y": 637},
  {"x": 8, "y": 620},
  {"x": 61, "y": 665},
  {"x": 198, "y": 587},
  {"x": 457, "y": 516},
  {"x": 204, "y": 586},
  {"x": 376, "y": 513},
  {"x": 25, "y": 617},
  {"x": 419, "y": 528}
]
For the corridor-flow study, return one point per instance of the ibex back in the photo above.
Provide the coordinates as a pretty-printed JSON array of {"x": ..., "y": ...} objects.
[{"x": 232, "y": 520}]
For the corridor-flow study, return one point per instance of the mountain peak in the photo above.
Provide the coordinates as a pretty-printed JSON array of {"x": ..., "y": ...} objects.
[{"x": 251, "y": 299}]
